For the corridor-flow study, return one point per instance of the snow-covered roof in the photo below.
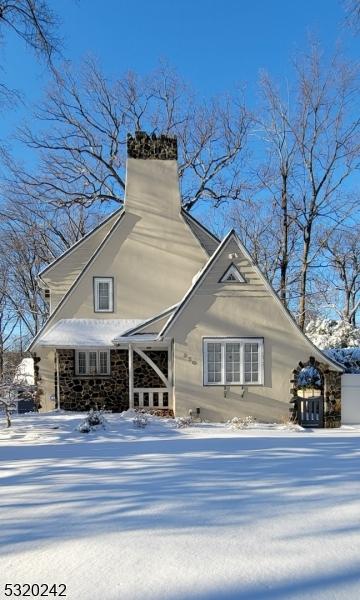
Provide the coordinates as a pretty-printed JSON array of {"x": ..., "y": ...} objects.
[
  {"x": 72, "y": 333},
  {"x": 138, "y": 328},
  {"x": 24, "y": 374},
  {"x": 139, "y": 337}
]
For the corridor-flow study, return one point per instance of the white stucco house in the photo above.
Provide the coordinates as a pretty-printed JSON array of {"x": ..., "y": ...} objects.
[{"x": 151, "y": 310}]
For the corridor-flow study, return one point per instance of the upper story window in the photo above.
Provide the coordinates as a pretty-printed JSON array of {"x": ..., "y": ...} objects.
[
  {"x": 103, "y": 294},
  {"x": 234, "y": 361}
]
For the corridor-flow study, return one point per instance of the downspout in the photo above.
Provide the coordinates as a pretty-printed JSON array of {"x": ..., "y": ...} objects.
[
  {"x": 131, "y": 377},
  {"x": 57, "y": 380}
]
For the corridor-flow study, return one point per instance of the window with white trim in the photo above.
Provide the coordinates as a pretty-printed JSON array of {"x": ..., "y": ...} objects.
[
  {"x": 92, "y": 362},
  {"x": 103, "y": 294},
  {"x": 233, "y": 361}
]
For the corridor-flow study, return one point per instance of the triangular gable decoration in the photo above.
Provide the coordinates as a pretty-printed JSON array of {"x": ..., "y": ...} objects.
[{"x": 232, "y": 275}]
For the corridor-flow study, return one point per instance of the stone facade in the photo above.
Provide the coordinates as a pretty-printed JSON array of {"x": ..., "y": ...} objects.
[
  {"x": 145, "y": 146},
  {"x": 110, "y": 392},
  {"x": 144, "y": 375}
]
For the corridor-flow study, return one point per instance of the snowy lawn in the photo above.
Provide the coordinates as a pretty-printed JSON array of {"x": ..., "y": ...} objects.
[{"x": 164, "y": 513}]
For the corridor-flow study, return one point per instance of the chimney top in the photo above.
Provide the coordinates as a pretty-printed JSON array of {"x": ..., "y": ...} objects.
[{"x": 142, "y": 145}]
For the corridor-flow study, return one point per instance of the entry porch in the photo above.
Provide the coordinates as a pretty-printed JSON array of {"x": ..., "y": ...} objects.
[{"x": 135, "y": 374}]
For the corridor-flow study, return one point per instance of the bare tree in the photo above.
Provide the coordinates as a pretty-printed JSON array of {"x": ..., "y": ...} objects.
[
  {"x": 34, "y": 22},
  {"x": 8, "y": 317},
  {"x": 341, "y": 288},
  {"x": 352, "y": 11},
  {"x": 275, "y": 176},
  {"x": 326, "y": 131},
  {"x": 32, "y": 235},
  {"x": 259, "y": 232},
  {"x": 307, "y": 142},
  {"x": 24, "y": 294},
  {"x": 82, "y": 155}
]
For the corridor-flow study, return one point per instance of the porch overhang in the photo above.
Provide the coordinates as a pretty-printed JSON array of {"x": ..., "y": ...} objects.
[{"x": 87, "y": 333}]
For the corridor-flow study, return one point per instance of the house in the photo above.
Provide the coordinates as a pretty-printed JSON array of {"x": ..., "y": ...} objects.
[
  {"x": 151, "y": 310},
  {"x": 23, "y": 385}
]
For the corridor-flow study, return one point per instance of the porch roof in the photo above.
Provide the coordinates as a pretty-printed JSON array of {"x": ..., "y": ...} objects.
[{"x": 74, "y": 333}]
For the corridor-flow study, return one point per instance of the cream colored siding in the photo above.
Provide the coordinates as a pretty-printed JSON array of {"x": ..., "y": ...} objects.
[
  {"x": 63, "y": 273},
  {"x": 236, "y": 310},
  {"x": 151, "y": 253}
]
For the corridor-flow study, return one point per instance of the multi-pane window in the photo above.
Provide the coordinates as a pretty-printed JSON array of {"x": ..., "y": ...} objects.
[
  {"x": 103, "y": 294},
  {"x": 251, "y": 362},
  {"x": 81, "y": 363},
  {"x": 234, "y": 361},
  {"x": 214, "y": 362},
  {"x": 92, "y": 362},
  {"x": 103, "y": 363}
]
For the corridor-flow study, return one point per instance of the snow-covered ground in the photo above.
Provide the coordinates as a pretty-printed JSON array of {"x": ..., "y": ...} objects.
[{"x": 204, "y": 512}]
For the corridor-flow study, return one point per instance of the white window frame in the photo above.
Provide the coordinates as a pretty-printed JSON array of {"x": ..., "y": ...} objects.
[
  {"x": 87, "y": 373},
  {"x": 242, "y": 342},
  {"x": 98, "y": 280}
]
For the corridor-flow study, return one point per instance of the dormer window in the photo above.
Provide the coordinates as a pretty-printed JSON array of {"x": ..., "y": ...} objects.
[{"x": 103, "y": 294}]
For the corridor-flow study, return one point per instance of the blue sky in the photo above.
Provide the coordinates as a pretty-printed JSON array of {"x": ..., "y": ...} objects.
[{"x": 213, "y": 44}]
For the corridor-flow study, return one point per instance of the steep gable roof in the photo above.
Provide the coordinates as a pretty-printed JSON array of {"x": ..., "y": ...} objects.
[
  {"x": 51, "y": 318},
  {"x": 207, "y": 268},
  {"x": 105, "y": 225},
  {"x": 208, "y": 240}
]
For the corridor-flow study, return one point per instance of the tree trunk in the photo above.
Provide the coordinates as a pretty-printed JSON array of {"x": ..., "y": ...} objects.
[
  {"x": 1, "y": 364},
  {"x": 284, "y": 260},
  {"x": 346, "y": 312},
  {"x": 303, "y": 277},
  {"x": 8, "y": 417}
]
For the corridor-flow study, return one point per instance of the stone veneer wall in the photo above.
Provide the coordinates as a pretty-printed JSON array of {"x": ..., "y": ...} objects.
[
  {"x": 82, "y": 393},
  {"x": 112, "y": 391},
  {"x": 144, "y": 374}
]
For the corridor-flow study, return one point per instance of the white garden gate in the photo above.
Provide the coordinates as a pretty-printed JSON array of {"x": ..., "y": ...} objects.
[{"x": 350, "y": 399}]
